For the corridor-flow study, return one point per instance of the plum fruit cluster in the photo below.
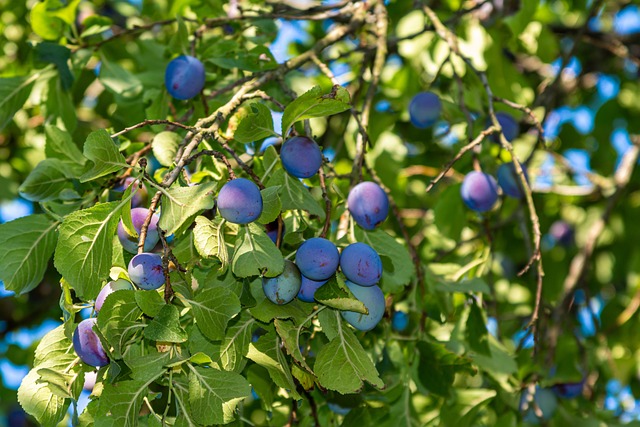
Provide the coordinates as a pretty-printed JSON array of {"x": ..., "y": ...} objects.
[{"x": 480, "y": 191}]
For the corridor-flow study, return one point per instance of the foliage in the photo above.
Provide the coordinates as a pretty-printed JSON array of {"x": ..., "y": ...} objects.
[{"x": 83, "y": 106}]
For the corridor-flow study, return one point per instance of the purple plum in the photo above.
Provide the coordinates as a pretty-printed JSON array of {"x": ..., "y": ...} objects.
[
  {"x": 184, "y": 77},
  {"x": 108, "y": 289},
  {"x": 145, "y": 271},
  {"x": 138, "y": 216},
  {"x": 508, "y": 180},
  {"x": 317, "y": 258},
  {"x": 283, "y": 288},
  {"x": 479, "y": 191},
  {"x": 368, "y": 204},
  {"x": 240, "y": 201},
  {"x": 87, "y": 345},
  {"x": 140, "y": 197},
  {"x": 301, "y": 156},
  {"x": 308, "y": 289},
  {"x": 424, "y": 109},
  {"x": 361, "y": 264},
  {"x": 562, "y": 233}
]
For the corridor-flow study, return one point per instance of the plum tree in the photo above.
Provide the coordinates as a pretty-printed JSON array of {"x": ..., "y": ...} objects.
[
  {"x": 138, "y": 217},
  {"x": 508, "y": 180},
  {"x": 537, "y": 406},
  {"x": 308, "y": 289},
  {"x": 424, "y": 109},
  {"x": 301, "y": 156},
  {"x": 146, "y": 272},
  {"x": 184, "y": 77},
  {"x": 373, "y": 299},
  {"x": 240, "y": 201},
  {"x": 368, "y": 204},
  {"x": 361, "y": 264},
  {"x": 479, "y": 191},
  {"x": 87, "y": 345},
  {"x": 283, "y": 288},
  {"x": 108, "y": 289},
  {"x": 317, "y": 258}
]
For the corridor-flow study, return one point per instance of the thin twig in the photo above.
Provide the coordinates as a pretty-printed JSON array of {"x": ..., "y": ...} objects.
[
  {"x": 150, "y": 123},
  {"x": 327, "y": 203}
]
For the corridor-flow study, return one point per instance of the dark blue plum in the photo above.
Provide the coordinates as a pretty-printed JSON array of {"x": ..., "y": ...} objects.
[
  {"x": 373, "y": 299},
  {"x": 110, "y": 288},
  {"x": 317, "y": 258},
  {"x": 272, "y": 230},
  {"x": 145, "y": 271},
  {"x": 479, "y": 191},
  {"x": 138, "y": 216},
  {"x": 509, "y": 125},
  {"x": 424, "y": 109},
  {"x": 87, "y": 345},
  {"x": 184, "y": 77},
  {"x": 399, "y": 321},
  {"x": 545, "y": 401},
  {"x": 301, "y": 156},
  {"x": 508, "y": 180},
  {"x": 568, "y": 390},
  {"x": 240, "y": 201},
  {"x": 368, "y": 204},
  {"x": 308, "y": 289},
  {"x": 561, "y": 233},
  {"x": 361, "y": 264},
  {"x": 283, "y": 289}
]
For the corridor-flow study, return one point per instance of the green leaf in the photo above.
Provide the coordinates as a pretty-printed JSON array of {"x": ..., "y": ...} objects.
[
  {"x": 235, "y": 345},
  {"x": 387, "y": 246},
  {"x": 213, "y": 308},
  {"x": 27, "y": 245},
  {"x": 165, "y": 327},
  {"x": 267, "y": 353},
  {"x": 119, "y": 319},
  {"x": 336, "y": 294},
  {"x": 214, "y": 394},
  {"x": 438, "y": 366},
  {"x": 54, "y": 357},
  {"x": 120, "y": 403},
  {"x": 470, "y": 285},
  {"x": 58, "y": 55},
  {"x": 294, "y": 195},
  {"x": 290, "y": 335},
  {"x": 46, "y": 181},
  {"x": 14, "y": 92},
  {"x": 256, "y": 125},
  {"x": 476, "y": 331},
  {"x": 343, "y": 365},
  {"x": 315, "y": 103},
  {"x": 181, "y": 204},
  {"x": 184, "y": 417},
  {"x": 59, "y": 105},
  {"x": 449, "y": 212},
  {"x": 165, "y": 146},
  {"x": 84, "y": 250},
  {"x": 180, "y": 40},
  {"x": 150, "y": 302},
  {"x": 265, "y": 311},
  {"x": 209, "y": 239},
  {"x": 119, "y": 80},
  {"x": 59, "y": 145},
  {"x": 271, "y": 205},
  {"x": 44, "y": 24},
  {"x": 103, "y": 152},
  {"x": 228, "y": 54},
  {"x": 145, "y": 366},
  {"x": 256, "y": 254}
]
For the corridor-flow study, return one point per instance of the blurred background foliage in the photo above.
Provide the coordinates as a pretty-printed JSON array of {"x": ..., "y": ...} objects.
[{"x": 575, "y": 63}]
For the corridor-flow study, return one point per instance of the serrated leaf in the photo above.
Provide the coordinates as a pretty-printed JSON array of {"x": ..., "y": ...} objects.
[
  {"x": 290, "y": 335},
  {"x": 59, "y": 145},
  {"x": 165, "y": 327},
  {"x": 103, "y": 152},
  {"x": 271, "y": 204},
  {"x": 209, "y": 239},
  {"x": 213, "y": 308},
  {"x": 27, "y": 244},
  {"x": 150, "y": 302},
  {"x": 235, "y": 345},
  {"x": 14, "y": 92},
  {"x": 165, "y": 145},
  {"x": 84, "y": 250},
  {"x": 387, "y": 246},
  {"x": 315, "y": 103},
  {"x": 145, "y": 366},
  {"x": 267, "y": 353},
  {"x": 58, "y": 55},
  {"x": 343, "y": 365},
  {"x": 44, "y": 24},
  {"x": 214, "y": 394},
  {"x": 119, "y": 81},
  {"x": 120, "y": 403},
  {"x": 180, "y": 40},
  {"x": 119, "y": 319},
  {"x": 181, "y": 204},
  {"x": 184, "y": 418},
  {"x": 256, "y": 125},
  {"x": 45, "y": 182},
  {"x": 336, "y": 294},
  {"x": 256, "y": 254},
  {"x": 438, "y": 366},
  {"x": 265, "y": 311},
  {"x": 294, "y": 195}
]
